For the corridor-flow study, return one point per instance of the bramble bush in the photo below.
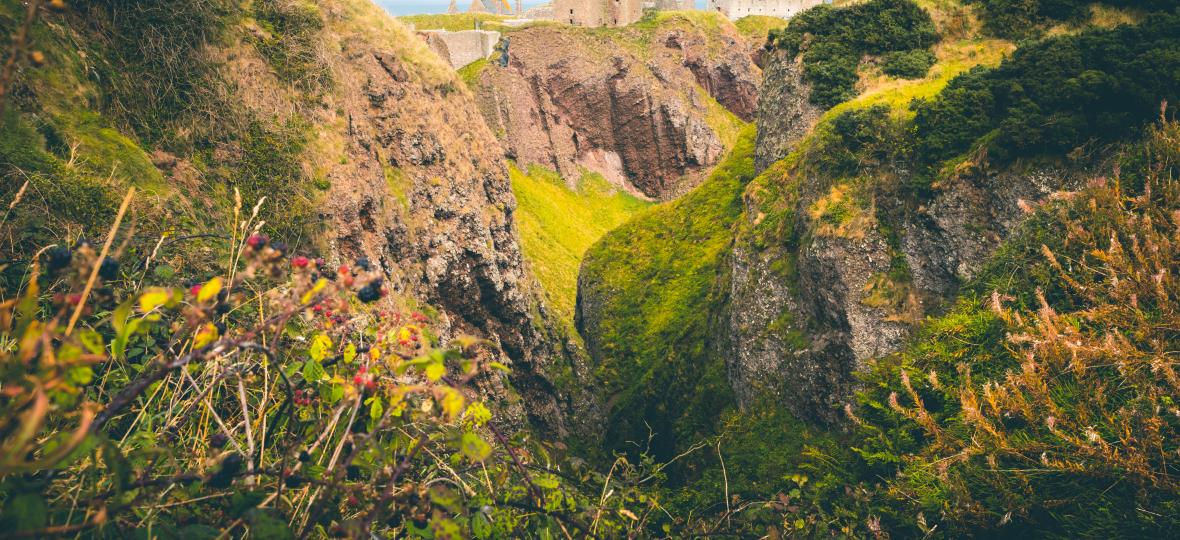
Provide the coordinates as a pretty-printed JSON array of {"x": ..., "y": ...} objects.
[{"x": 275, "y": 399}]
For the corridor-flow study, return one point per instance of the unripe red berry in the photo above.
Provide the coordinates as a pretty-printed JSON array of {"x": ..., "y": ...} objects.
[
  {"x": 300, "y": 262},
  {"x": 256, "y": 241}
]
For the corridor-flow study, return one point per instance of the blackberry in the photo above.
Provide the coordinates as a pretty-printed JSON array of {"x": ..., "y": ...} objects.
[
  {"x": 304, "y": 456},
  {"x": 109, "y": 269},
  {"x": 364, "y": 264},
  {"x": 58, "y": 258},
  {"x": 218, "y": 440},
  {"x": 369, "y": 294},
  {"x": 224, "y": 477}
]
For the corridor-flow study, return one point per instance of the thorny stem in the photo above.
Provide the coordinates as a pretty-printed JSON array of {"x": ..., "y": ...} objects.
[{"x": 137, "y": 386}]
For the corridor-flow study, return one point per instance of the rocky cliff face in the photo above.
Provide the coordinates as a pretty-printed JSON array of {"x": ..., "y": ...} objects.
[
  {"x": 825, "y": 275},
  {"x": 785, "y": 115},
  {"x": 421, "y": 189},
  {"x": 638, "y": 105}
]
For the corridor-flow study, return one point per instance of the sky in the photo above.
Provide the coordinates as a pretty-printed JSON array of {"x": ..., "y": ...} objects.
[{"x": 413, "y": 7}]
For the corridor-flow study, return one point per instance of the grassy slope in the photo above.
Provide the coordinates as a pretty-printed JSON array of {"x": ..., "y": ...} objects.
[
  {"x": 558, "y": 224},
  {"x": 756, "y": 27},
  {"x": 660, "y": 269},
  {"x": 78, "y": 161}
]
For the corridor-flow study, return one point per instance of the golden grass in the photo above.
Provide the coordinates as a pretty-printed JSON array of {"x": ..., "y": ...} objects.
[
  {"x": 954, "y": 59},
  {"x": 558, "y": 224}
]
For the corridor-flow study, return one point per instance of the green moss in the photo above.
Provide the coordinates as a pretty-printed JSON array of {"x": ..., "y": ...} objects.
[
  {"x": 759, "y": 451},
  {"x": 398, "y": 184},
  {"x": 106, "y": 151},
  {"x": 470, "y": 73},
  {"x": 68, "y": 191},
  {"x": 652, "y": 282},
  {"x": 558, "y": 224},
  {"x": 267, "y": 164}
]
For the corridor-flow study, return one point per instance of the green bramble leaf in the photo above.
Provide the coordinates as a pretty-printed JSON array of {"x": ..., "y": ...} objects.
[
  {"x": 320, "y": 345},
  {"x": 435, "y": 371},
  {"x": 313, "y": 371},
  {"x": 474, "y": 448},
  {"x": 376, "y": 408},
  {"x": 92, "y": 340}
]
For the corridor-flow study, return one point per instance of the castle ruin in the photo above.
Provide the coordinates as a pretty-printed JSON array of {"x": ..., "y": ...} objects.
[
  {"x": 736, "y": 9},
  {"x": 597, "y": 12}
]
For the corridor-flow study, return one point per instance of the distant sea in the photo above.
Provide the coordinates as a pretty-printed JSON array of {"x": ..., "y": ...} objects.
[{"x": 416, "y": 7}]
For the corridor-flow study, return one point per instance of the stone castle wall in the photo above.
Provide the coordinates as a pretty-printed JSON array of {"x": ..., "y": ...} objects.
[
  {"x": 597, "y": 12},
  {"x": 736, "y": 9}
]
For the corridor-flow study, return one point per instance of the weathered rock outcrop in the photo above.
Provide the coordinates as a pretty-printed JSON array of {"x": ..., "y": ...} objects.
[
  {"x": 418, "y": 185},
  {"x": 810, "y": 301},
  {"x": 785, "y": 113},
  {"x": 632, "y": 104}
]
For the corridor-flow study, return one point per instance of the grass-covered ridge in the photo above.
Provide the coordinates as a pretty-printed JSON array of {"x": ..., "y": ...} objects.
[
  {"x": 650, "y": 286},
  {"x": 558, "y": 224}
]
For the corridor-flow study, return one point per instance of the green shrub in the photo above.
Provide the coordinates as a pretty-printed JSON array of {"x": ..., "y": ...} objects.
[
  {"x": 266, "y": 163},
  {"x": 1054, "y": 96},
  {"x": 913, "y": 64},
  {"x": 832, "y": 41},
  {"x": 1022, "y": 19}
]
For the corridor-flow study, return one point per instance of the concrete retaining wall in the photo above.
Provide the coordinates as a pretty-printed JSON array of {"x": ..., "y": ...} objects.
[{"x": 462, "y": 48}]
